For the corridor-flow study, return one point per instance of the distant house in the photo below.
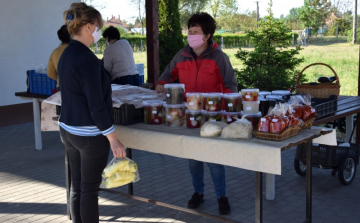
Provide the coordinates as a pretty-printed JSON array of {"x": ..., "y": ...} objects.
[
  {"x": 137, "y": 28},
  {"x": 116, "y": 22},
  {"x": 331, "y": 19}
]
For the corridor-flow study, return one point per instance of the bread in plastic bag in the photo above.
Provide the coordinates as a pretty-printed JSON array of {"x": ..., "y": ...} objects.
[
  {"x": 240, "y": 129},
  {"x": 118, "y": 172},
  {"x": 211, "y": 128}
]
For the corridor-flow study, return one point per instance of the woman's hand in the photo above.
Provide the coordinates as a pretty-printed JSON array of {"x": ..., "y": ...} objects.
[
  {"x": 116, "y": 146},
  {"x": 160, "y": 88}
]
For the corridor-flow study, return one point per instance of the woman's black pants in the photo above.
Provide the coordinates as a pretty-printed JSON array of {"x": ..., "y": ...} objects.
[{"x": 88, "y": 156}]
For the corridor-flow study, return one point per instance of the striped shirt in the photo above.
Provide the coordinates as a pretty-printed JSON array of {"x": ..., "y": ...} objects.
[{"x": 86, "y": 130}]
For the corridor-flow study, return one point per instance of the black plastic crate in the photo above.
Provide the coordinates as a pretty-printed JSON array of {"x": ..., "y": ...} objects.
[
  {"x": 127, "y": 114},
  {"x": 326, "y": 155},
  {"x": 325, "y": 106}
]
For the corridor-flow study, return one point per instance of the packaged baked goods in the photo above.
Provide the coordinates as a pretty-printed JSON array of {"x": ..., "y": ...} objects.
[
  {"x": 193, "y": 118},
  {"x": 153, "y": 112},
  {"x": 264, "y": 124},
  {"x": 241, "y": 129},
  {"x": 211, "y": 129},
  {"x": 195, "y": 101},
  {"x": 277, "y": 122},
  {"x": 213, "y": 101},
  {"x": 175, "y": 114},
  {"x": 250, "y": 94},
  {"x": 232, "y": 102},
  {"x": 230, "y": 117},
  {"x": 297, "y": 107},
  {"x": 212, "y": 116},
  {"x": 308, "y": 110},
  {"x": 250, "y": 106},
  {"x": 174, "y": 93}
]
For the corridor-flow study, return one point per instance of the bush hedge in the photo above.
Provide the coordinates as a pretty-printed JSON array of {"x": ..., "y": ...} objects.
[
  {"x": 135, "y": 43},
  {"x": 229, "y": 40}
]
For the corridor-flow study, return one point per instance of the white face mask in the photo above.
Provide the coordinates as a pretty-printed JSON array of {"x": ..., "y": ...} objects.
[
  {"x": 96, "y": 34},
  {"x": 107, "y": 43}
]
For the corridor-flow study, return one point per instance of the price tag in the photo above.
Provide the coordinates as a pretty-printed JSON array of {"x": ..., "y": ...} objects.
[
  {"x": 211, "y": 102},
  {"x": 168, "y": 95},
  {"x": 313, "y": 110},
  {"x": 190, "y": 103},
  {"x": 168, "y": 116},
  {"x": 247, "y": 96},
  {"x": 229, "y": 119},
  {"x": 293, "y": 111},
  {"x": 212, "y": 120},
  {"x": 192, "y": 118},
  {"x": 248, "y": 108},
  {"x": 230, "y": 105},
  {"x": 154, "y": 112},
  {"x": 274, "y": 120},
  {"x": 263, "y": 119}
]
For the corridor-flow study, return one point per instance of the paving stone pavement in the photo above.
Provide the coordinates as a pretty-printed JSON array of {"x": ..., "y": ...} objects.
[{"x": 32, "y": 188}]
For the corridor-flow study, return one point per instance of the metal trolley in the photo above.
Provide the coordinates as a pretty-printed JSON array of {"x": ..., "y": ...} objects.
[{"x": 342, "y": 160}]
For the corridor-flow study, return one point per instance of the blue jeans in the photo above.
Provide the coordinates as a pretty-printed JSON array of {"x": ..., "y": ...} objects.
[
  {"x": 128, "y": 79},
  {"x": 87, "y": 158},
  {"x": 217, "y": 172}
]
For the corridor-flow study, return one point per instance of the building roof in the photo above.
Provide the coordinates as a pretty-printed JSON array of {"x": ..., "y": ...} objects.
[
  {"x": 115, "y": 22},
  {"x": 138, "y": 25}
]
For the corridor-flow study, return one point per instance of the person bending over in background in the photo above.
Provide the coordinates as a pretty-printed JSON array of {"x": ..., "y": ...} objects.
[
  {"x": 86, "y": 112},
  {"x": 119, "y": 58},
  {"x": 203, "y": 67},
  {"x": 64, "y": 37}
]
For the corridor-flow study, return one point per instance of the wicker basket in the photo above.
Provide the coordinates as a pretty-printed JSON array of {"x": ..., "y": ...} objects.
[
  {"x": 289, "y": 132},
  {"x": 321, "y": 90},
  {"x": 308, "y": 123}
]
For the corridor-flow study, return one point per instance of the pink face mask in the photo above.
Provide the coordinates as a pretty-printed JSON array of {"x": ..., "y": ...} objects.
[{"x": 195, "y": 41}]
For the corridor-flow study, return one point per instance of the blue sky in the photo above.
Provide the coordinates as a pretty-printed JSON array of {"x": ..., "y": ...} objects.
[{"x": 129, "y": 12}]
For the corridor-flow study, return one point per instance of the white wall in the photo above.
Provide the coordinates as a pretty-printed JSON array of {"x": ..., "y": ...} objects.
[{"x": 28, "y": 35}]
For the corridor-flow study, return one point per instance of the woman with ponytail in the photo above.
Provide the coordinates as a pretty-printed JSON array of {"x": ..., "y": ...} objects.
[{"x": 86, "y": 112}]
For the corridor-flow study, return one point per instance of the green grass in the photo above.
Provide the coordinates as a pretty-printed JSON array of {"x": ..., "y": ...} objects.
[{"x": 343, "y": 57}]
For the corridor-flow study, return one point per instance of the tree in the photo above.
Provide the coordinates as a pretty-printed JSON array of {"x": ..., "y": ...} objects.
[
  {"x": 313, "y": 13},
  {"x": 188, "y": 8},
  {"x": 270, "y": 66},
  {"x": 247, "y": 20},
  {"x": 140, "y": 6},
  {"x": 293, "y": 15},
  {"x": 214, "y": 6},
  {"x": 228, "y": 15},
  {"x": 340, "y": 7},
  {"x": 170, "y": 37},
  {"x": 342, "y": 24}
]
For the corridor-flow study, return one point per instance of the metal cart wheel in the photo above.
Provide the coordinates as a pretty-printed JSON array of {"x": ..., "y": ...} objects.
[
  {"x": 300, "y": 167},
  {"x": 347, "y": 170}
]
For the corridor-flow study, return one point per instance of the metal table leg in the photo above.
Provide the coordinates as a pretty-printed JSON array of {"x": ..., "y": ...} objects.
[
  {"x": 68, "y": 182},
  {"x": 349, "y": 126},
  {"x": 308, "y": 181},
  {"x": 270, "y": 186},
  {"x": 37, "y": 123},
  {"x": 258, "y": 198}
]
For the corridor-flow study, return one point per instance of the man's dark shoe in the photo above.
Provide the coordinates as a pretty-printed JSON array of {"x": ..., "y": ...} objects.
[
  {"x": 196, "y": 200},
  {"x": 224, "y": 207}
]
